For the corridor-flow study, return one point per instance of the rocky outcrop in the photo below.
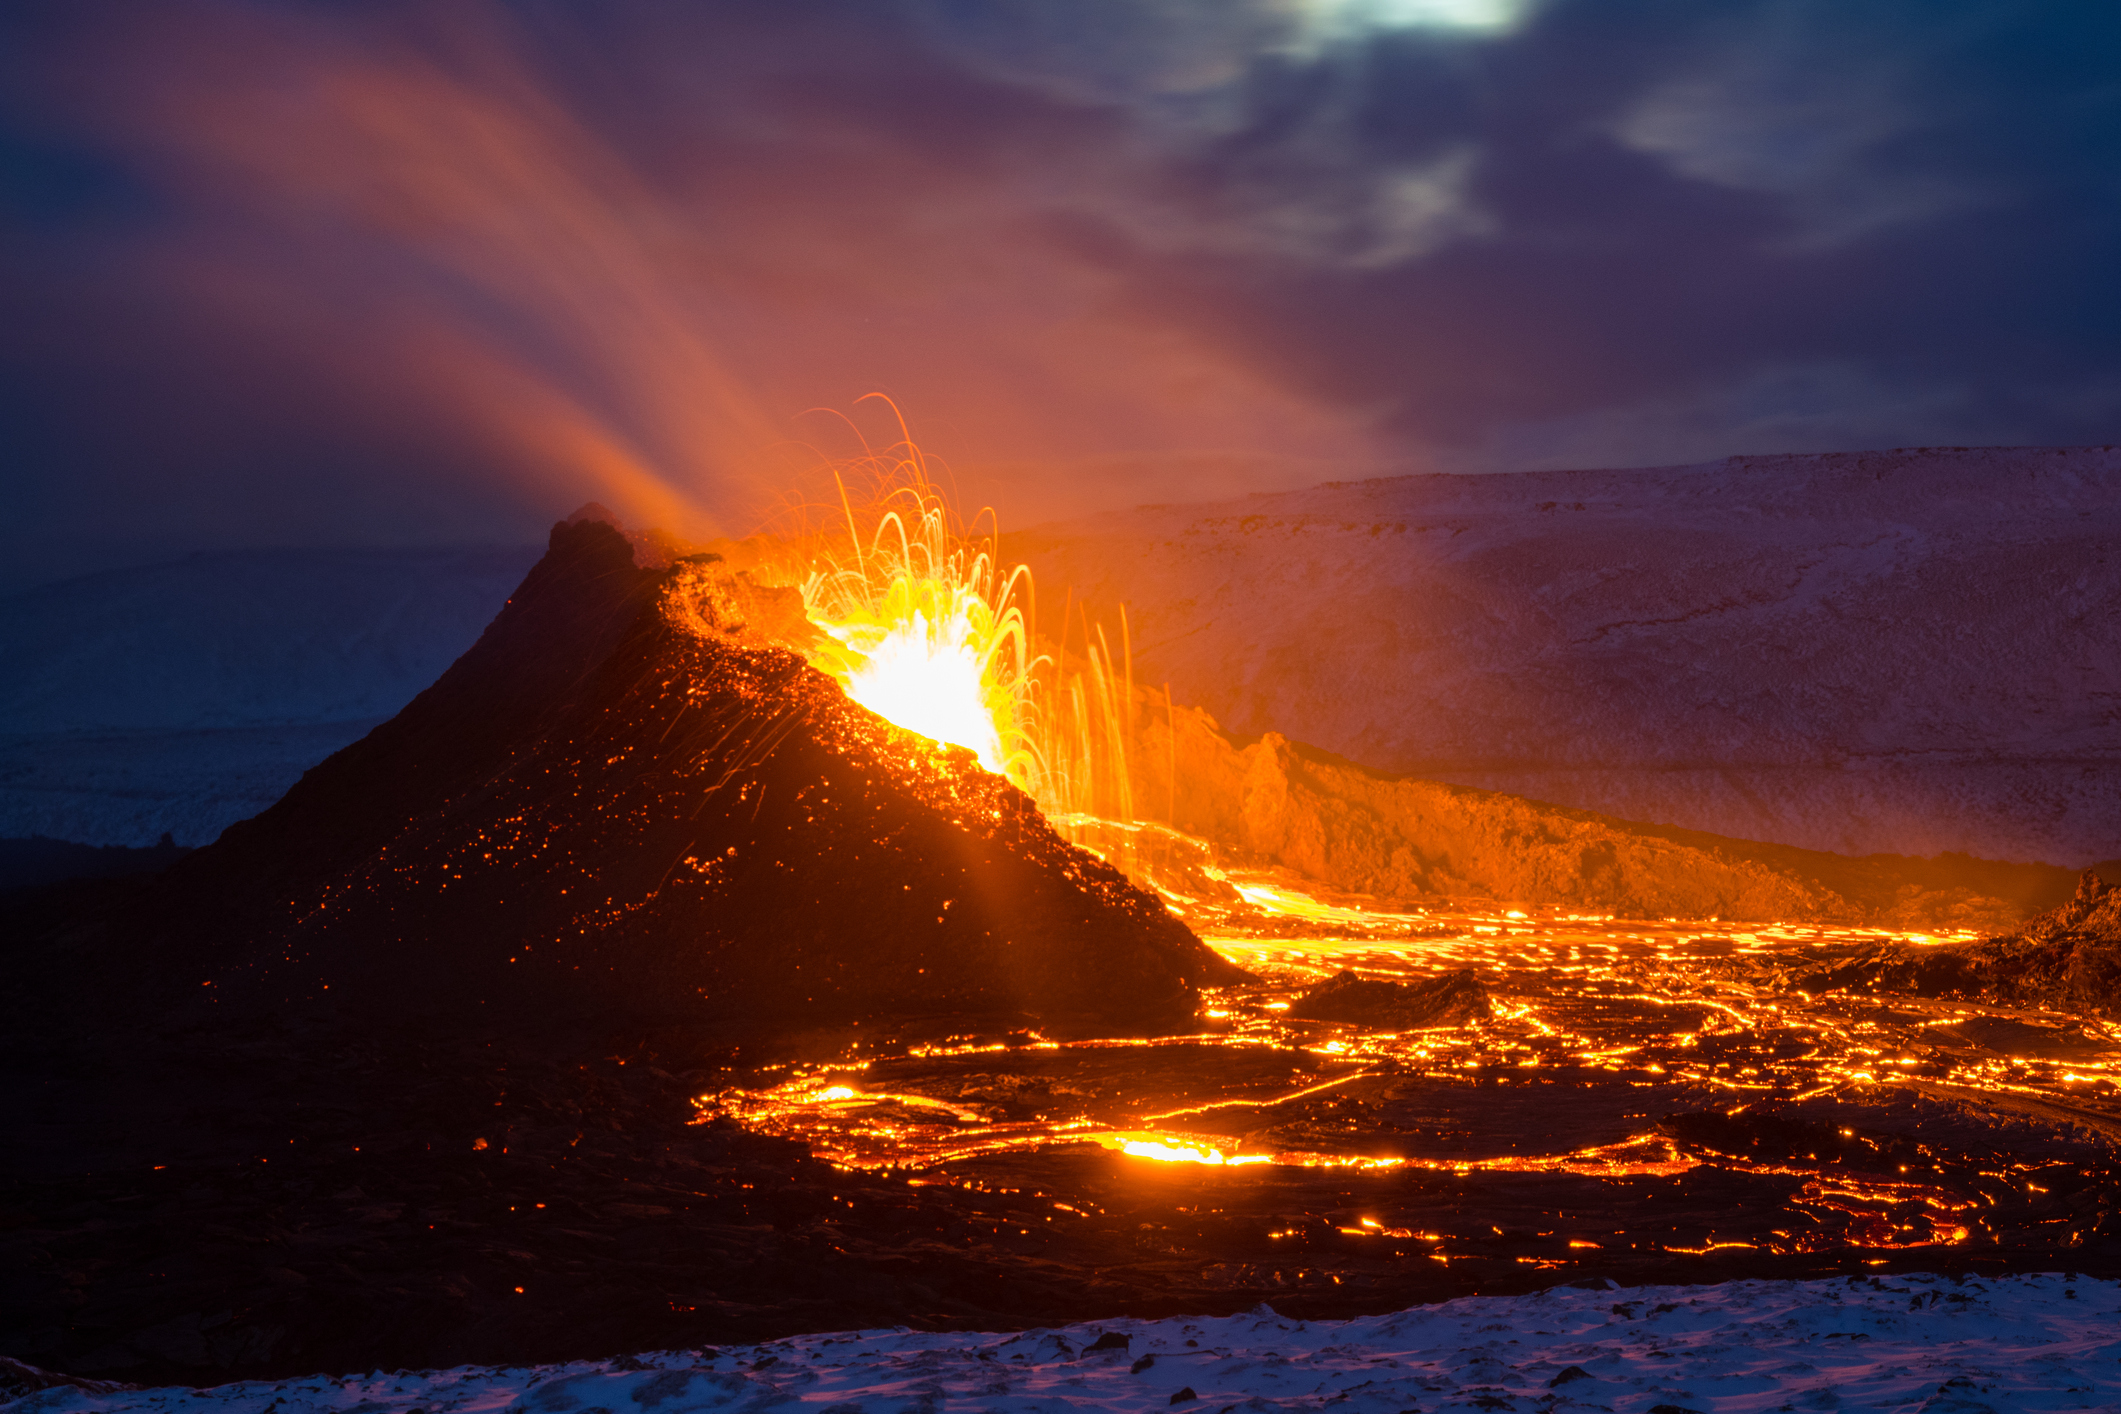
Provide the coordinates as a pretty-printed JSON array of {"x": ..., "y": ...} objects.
[
  {"x": 2067, "y": 959},
  {"x": 632, "y": 803},
  {"x": 1449, "y": 1000}
]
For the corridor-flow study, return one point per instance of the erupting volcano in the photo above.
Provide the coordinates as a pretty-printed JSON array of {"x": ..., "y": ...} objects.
[
  {"x": 924, "y": 624},
  {"x": 634, "y": 798},
  {"x": 1487, "y": 665},
  {"x": 855, "y": 868}
]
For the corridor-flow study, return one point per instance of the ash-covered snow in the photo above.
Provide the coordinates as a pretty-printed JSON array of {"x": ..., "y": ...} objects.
[
  {"x": 1925, "y": 1343},
  {"x": 184, "y": 697},
  {"x": 1904, "y": 652}
]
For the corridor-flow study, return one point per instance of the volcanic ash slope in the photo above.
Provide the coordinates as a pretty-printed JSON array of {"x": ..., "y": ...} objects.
[
  {"x": 1907, "y": 652},
  {"x": 630, "y": 801},
  {"x": 1356, "y": 831}
]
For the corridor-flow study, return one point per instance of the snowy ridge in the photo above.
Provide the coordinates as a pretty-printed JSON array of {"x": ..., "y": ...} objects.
[
  {"x": 1908, "y": 651},
  {"x": 1919, "y": 1342},
  {"x": 1903, "y": 652}
]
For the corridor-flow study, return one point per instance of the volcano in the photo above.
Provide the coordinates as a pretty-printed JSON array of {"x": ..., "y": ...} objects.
[
  {"x": 520, "y": 1030},
  {"x": 632, "y": 799}
]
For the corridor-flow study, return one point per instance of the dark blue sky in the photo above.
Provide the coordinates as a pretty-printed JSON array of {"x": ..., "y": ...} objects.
[{"x": 383, "y": 274}]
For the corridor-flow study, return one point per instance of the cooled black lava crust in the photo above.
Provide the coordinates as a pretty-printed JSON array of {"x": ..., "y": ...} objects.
[{"x": 282, "y": 1202}]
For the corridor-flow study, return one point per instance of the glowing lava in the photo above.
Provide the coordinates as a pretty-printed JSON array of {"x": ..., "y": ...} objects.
[
  {"x": 924, "y": 668},
  {"x": 1186, "y": 1153},
  {"x": 921, "y": 624}
]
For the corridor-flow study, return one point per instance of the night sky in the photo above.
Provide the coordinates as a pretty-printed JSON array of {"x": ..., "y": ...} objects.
[{"x": 399, "y": 274}]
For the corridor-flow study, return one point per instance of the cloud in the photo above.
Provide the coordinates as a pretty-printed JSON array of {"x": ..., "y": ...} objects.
[
  {"x": 297, "y": 270},
  {"x": 1341, "y": 17},
  {"x": 626, "y": 278},
  {"x": 1249, "y": 130},
  {"x": 1658, "y": 207},
  {"x": 1829, "y": 116}
]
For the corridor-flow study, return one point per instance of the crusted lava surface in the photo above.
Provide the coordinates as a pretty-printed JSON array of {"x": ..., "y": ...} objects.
[
  {"x": 1441, "y": 1001},
  {"x": 285, "y": 1202}
]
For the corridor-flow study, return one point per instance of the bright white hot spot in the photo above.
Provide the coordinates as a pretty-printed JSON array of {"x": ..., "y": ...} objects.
[
  {"x": 2028, "y": 1344},
  {"x": 927, "y": 678}
]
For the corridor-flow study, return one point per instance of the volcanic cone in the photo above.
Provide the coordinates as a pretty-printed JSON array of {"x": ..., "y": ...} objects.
[{"x": 632, "y": 799}]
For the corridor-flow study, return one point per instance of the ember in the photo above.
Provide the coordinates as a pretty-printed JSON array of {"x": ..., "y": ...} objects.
[
  {"x": 919, "y": 622},
  {"x": 922, "y": 623}
]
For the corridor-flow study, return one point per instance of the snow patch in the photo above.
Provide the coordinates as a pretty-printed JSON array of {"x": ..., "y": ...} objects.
[{"x": 1930, "y": 1343}]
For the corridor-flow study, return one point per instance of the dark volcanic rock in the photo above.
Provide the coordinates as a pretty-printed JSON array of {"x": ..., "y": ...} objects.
[
  {"x": 626, "y": 803},
  {"x": 2068, "y": 958},
  {"x": 1443, "y": 1001},
  {"x": 36, "y": 861}
]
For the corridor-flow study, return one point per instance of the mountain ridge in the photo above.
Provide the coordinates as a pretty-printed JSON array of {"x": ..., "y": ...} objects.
[{"x": 1908, "y": 652}]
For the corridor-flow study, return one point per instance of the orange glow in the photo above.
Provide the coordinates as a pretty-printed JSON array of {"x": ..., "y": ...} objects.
[
  {"x": 919, "y": 621},
  {"x": 1186, "y": 1153},
  {"x": 923, "y": 625}
]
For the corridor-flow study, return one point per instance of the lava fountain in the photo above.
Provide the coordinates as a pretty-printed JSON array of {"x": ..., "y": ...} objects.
[
  {"x": 920, "y": 625},
  {"x": 921, "y": 622}
]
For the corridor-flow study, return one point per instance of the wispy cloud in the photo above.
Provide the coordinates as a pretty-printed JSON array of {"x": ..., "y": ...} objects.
[{"x": 312, "y": 269}]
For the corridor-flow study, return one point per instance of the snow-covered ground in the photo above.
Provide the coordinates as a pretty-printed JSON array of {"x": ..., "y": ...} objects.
[
  {"x": 1898, "y": 1343},
  {"x": 1906, "y": 652},
  {"x": 184, "y": 697}
]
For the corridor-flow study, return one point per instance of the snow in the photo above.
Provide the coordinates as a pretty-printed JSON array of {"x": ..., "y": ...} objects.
[
  {"x": 184, "y": 697},
  {"x": 1905, "y": 652},
  {"x": 1930, "y": 1343}
]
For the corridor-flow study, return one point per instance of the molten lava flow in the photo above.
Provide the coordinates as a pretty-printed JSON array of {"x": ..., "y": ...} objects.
[
  {"x": 1169, "y": 1153},
  {"x": 920, "y": 623}
]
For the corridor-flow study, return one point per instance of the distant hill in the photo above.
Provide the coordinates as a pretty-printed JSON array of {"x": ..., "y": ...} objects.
[
  {"x": 180, "y": 698},
  {"x": 1907, "y": 652},
  {"x": 1910, "y": 652},
  {"x": 30, "y": 863}
]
